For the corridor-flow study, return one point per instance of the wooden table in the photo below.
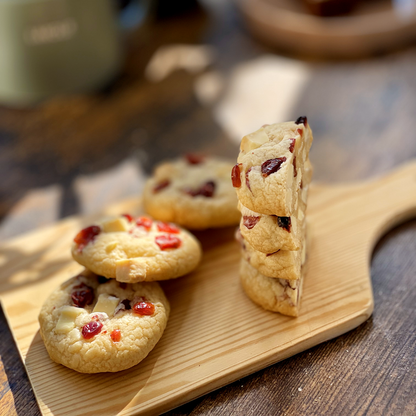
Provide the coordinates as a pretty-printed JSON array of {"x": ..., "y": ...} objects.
[{"x": 72, "y": 155}]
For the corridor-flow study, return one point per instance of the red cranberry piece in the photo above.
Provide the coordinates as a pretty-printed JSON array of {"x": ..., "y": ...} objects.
[
  {"x": 271, "y": 254},
  {"x": 167, "y": 241},
  {"x": 207, "y": 189},
  {"x": 302, "y": 120},
  {"x": 295, "y": 172},
  {"x": 91, "y": 329},
  {"x": 161, "y": 185},
  {"x": 292, "y": 145},
  {"x": 271, "y": 166},
  {"x": 82, "y": 295},
  {"x": 126, "y": 304},
  {"x": 235, "y": 176},
  {"x": 284, "y": 222},
  {"x": 194, "y": 159},
  {"x": 144, "y": 222},
  {"x": 300, "y": 132},
  {"x": 128, "y": 217},
  {"x": 248, "y": 180},
  {"x": 115, "y": 335},
  {"x": 167, "y": 228},
  {"x": 86, "y": 235},
  {"x": 251, "y": 221},
  {"x": 144, "y": 308}
]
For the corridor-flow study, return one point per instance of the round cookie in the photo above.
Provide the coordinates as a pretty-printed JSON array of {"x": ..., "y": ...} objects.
[
  {"x": 93, "y": 325},
  {"x": 136, "y": 249},
  {"x": 277, "y": 295},
  {"x": 194, "y": 192}
]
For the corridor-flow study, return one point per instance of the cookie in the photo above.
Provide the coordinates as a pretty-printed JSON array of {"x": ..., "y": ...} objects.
[
  {"x": 136, "y": 249},
  {"x": 277, "y": 295},
  {"x": 271, "y": 166},
  {"x": 94, "y": 325},
  {"x": 269, "y": 233},
  {"x": 281, "y": 264},
  {"x": 194, "y": 192}
]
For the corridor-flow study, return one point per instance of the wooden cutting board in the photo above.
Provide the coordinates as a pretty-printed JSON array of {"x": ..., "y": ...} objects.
[{"x": 215, "y": 334}]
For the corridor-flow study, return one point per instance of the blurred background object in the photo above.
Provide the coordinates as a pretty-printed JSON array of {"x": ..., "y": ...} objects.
[
  {"x": 50, "y": 47},
  {"x": 373, "y": 26}
]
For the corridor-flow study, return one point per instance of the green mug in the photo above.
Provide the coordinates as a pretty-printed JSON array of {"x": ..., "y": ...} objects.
[{"x": 50, "y": 47}]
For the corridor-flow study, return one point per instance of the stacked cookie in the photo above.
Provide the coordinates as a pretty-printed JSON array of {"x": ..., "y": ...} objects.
[
  {"x": 111, "y": 315},
  {"x": 271, "y": 178}
]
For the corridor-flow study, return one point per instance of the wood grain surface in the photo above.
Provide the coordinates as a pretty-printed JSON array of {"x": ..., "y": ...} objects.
[
  {"x": 362, "y": 114},
  {"x": 215, "y": 334}
]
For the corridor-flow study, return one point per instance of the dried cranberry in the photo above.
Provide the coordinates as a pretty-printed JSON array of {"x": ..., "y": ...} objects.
[
  {"x": 271, "y": 166},
  {"x": 301, "y": 184},
  {"x": 167, "y": 241},
  {"x": 302, "y": 120},
  {"x": 126, "y": 304},
  {"x": 300, "y": 132},
  {"x": 86, "y": 235},
  {"x": 128, "y": 217},
  {"x": 82, "y": 295},
  {"x": 115, "y": 335},
  {"x": 102, "y": 279},
  {"x": 292, "y": 145},
  {"x": 271, "y": 254},
  {"x": 235, "y": 176},
  {"x": 248, "y": 180},
  {"x": 194, "y": 159},
  {"x": 167, "y": 228},
  {"x": 91, "y": 329},
  {"x": 284, "y": 222},
  {"x": 144, "y": 308},
  {"x": 161, "y": 185},
  {"x": 250, "y": 222},
  {"x": 207, "y": 190},
  {"x": 295, "y": 172},
  {"x": 144, "y": 222}
]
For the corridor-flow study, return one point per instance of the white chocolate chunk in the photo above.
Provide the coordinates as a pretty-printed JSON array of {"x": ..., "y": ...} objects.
[
  {"x": 107, "y": 304},
  {"x": 127, "y": 268},
  {"x": 115, "y": 225},
  {"x": 67, "y": 318},
  {"x": 254, "y": 140}
]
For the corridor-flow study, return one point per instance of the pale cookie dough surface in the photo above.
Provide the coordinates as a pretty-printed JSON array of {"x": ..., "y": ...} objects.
[
  {"x": 193, "y": 195},
  {"x": 268, "y": 190},
  {"x": 130, "y": 252},
  {"x": 282, "y": 264},
  {"x": 269, "y": 233},
  {"x": 125, "y": 337},
  {"x": 277, "y": 295}
]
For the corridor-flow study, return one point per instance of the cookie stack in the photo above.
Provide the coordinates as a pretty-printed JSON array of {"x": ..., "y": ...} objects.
[
  {"x": 271, "y": 178},
  {"x": 112, "y": 314}
]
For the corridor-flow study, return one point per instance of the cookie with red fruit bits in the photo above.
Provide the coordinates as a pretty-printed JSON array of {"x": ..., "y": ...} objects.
[
  {"x": 136, "y": 249},
  {"x": 276, "y": 295},
  {"x": 269, "y": 233},
  {"x": 92, "y": 324},
  {"x": 270, "y": 171},
  {"x": 193, "y": 191}
]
